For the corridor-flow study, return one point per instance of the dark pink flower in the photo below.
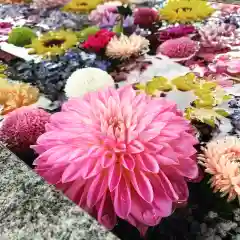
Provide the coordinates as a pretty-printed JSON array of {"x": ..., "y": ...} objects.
[{"x": 145, "y": 17}]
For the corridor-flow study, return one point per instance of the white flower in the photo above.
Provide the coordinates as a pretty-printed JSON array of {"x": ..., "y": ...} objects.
[{"x": 87, "y": 80}]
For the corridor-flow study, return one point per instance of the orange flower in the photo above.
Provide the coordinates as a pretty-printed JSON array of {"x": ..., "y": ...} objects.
[
  {"x": 221, "y": 158},
  {"x": 16, "y": 95}
]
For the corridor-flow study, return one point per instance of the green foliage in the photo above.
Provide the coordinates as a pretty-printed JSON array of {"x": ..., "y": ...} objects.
[{"x": 21, "y": 36}]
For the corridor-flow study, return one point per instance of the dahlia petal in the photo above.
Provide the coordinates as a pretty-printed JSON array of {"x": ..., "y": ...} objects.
[
  {"x": 142, "y": 185},
  {"x": 96, "y": 190},
  {"x": 143, "y": 212},
  {"x": 52, "y": 177},
  {"x": 135, "y": 147},
  {"x": 162, "y": 202},
  {"x": 180, "y": 186},
  {"x": 147, "y": 162},
  {"x": 162, "y": 160},
  {"x": 114, "y": 177},
  {"x": 106, "y": 214},
  {"x": 108, "y": 159},
  {"x": 170, "y": 191},
  {"x": 128, "y": 162},
  {"x": 187, "y": 168},
  {"x": 74, "y": 192},
  {"x": 122, "y": 199},
  {"x": 73, "y": 171}
]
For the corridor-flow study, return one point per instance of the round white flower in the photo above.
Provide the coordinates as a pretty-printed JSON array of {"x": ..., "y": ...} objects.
[{"x": 87, "y": 80}]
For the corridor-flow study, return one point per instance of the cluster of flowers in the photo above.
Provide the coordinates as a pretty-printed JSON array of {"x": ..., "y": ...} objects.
[{"x": 126, "y": 152}]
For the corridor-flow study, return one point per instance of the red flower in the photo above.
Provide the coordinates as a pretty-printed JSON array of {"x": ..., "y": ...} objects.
[
  {"x": 98, "y": 41},
  {"x": 145, "y": 17}
]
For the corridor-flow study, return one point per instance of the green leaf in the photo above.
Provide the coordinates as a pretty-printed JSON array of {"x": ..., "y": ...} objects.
[{"x": 222, "y": 112}]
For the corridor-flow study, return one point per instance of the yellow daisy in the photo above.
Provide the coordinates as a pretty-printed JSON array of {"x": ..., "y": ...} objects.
[
  {"x": 184, "y": 11},
  {"x": 53, "y": 43}
]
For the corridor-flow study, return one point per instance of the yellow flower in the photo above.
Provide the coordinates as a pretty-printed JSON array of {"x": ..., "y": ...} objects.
[
  {"x": 81, "y": 6},
  {"x": 53, "y": 43},
  {"x": 16, "y": 95},
  {"x": 184, "y": 11}
]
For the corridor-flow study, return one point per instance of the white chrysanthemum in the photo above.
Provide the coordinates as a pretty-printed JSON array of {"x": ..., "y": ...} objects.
[
  {"x": 125, "y": 47},
  {"x": 87, "y": 80}
]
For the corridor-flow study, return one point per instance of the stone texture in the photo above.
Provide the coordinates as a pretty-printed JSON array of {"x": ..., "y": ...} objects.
[{"x": 31, "y": 209}]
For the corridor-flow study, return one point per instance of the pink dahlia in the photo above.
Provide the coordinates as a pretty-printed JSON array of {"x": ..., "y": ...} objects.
[
  {"x": 22, "y": 127},
  {"x": 178, "y": 48},
  {"x": 119, "y": 153}
]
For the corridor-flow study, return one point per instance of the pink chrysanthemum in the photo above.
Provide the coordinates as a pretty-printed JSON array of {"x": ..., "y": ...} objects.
[
  {"x": 41, "y": 4},
  {"x": 178, "y": 48},
  {"x": 221, "y": 159},
  {"x": 119, "y": 153},
  {"x": 102, "y": 12},
  {"x": 22, "y": 127}
]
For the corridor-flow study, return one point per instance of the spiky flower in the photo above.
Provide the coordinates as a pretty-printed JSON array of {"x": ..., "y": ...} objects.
[
  {"x": 221, "y": 159},
  {"x": 218, "y": 36},
  {"x": 124, "y": 47},
  {"x": 178, "y": 48},
  {"x": 22, "y": 127},
  {"x": 15, "y": 95}
]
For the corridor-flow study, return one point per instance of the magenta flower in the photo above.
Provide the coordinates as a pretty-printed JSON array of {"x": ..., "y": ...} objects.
[
  {"x": 183, "y": 47},
  {"x": 176, "y": 32},
  {"x": 119, "y": 153},
  {"x": 22, "y": 127}
]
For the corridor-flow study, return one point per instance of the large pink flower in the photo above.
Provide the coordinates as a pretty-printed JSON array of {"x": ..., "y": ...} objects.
[{"x": 118, "y": 153}]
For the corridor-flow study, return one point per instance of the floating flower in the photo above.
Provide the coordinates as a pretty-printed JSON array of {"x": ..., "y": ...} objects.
[
  {"x": 5, "y": 29},
  {"x": 21, "y": 36},
  {"x": 43, "y": 4},
  {"x": 176, "y": 32},
  {"x": 87, "y": 80},
  {"x": 218, "y": 36},
  {"x": 225, "y": 64},
  {"x": 104, "y": 12},
  {"x": 145, "y": 17},
  {"x": 98, "y": 41},
  {"x": 125, "y": 47},
  {"x": 81, "y": 6},
  {"x": 221, "y": 159},
  {"x": 182, "y": 47},
  {"x": 53, "y": 43},
  {"x": 22, "y": 127},
  {"x": 16, "y": 95},
  {"x": 184, "y": 11},
  {"x": 119, "y": 153}
]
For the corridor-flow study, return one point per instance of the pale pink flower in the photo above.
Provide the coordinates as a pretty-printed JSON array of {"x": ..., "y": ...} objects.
[
  {"x": 124, "y": 47},
  {"x": 103, "y": 11},
  {"x": 22, "y": 127},
  {"x": 119, "y": 153},
  {"x": 41, "y": 4},
  {"x": 221, "y": 159}
]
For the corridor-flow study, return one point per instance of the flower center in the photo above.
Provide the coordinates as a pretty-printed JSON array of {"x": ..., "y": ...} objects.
[
  {"x": 54, "y": 42},
  {"x": 117, "y": 126}
]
